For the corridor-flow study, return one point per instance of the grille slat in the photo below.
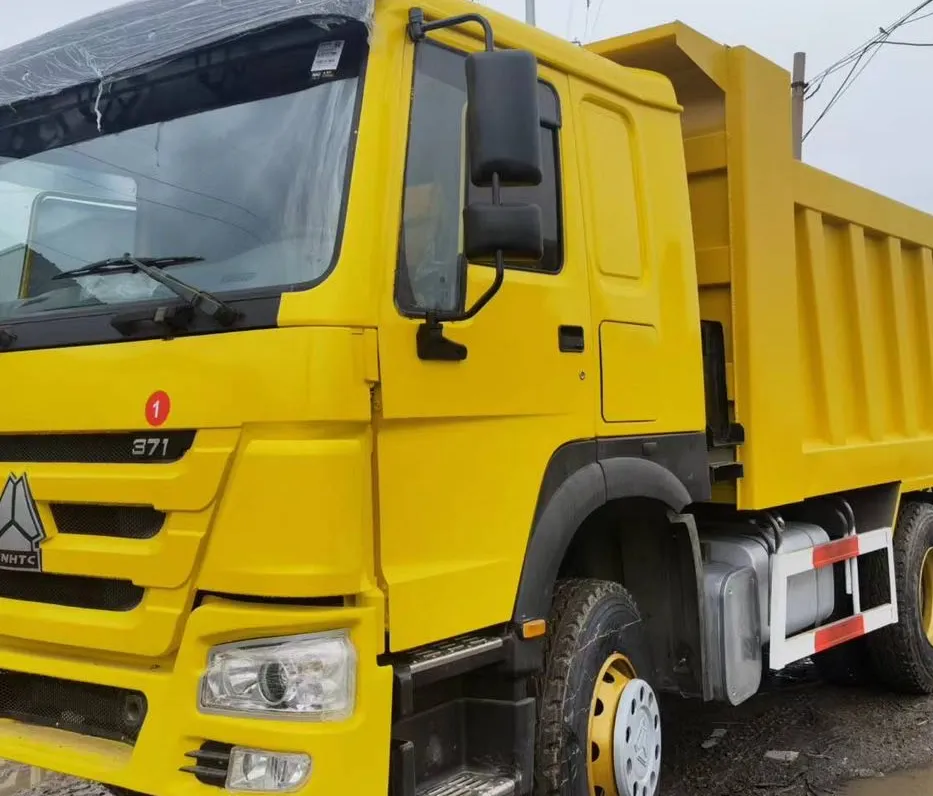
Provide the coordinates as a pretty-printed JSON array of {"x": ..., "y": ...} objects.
[
  {"x": 118, "y": 522},
  {"x": 97, "y": 448},
  {"x": 99, "y": 711},
  {"x": 74, "y": 591},
  {"x": 213, "y": 763}
]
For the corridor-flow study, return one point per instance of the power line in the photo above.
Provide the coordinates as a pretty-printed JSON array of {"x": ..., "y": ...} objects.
[
  {"x": 845, "y": 87},
  {"x": 917, "y": 19},
  {"x": 881, "y": 43},
  {"x": 839, "y": 92},
  {"x": 910, "y": 43},
  {"x": 874, "y": 40},
  {"x": 599, "y": 10},
  {"x": 855, "y": 58}
]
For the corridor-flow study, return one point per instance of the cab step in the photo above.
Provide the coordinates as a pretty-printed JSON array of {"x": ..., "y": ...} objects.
[
  {"x": 471, "y": 783},
  {"x": 453, "y": 652},
  {"x": 441, "y": 662}
]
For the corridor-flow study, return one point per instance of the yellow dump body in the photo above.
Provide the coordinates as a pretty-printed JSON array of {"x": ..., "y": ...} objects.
[{"x": 825, "y": 289}]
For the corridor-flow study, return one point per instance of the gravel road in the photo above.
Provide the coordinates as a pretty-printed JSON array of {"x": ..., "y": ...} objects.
[{"x": 822, "y": 737}]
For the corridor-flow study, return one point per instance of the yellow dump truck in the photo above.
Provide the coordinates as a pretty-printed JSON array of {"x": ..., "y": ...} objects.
[{"x": 398, "y": 399}]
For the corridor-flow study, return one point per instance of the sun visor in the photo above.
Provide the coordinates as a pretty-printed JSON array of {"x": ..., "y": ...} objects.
[{"x": 128, "y": 39}]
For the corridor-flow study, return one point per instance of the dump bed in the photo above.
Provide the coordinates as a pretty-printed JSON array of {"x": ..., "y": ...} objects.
[{"x": 825, "y": 289}]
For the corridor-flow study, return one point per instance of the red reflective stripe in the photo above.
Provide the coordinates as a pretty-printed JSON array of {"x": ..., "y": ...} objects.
[
  {"x": 833, "y": 552},
  {"x": 839, "y": 632}
]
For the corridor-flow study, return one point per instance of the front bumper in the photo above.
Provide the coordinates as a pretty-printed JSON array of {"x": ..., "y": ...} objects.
[{"x": 347, "y": 757}]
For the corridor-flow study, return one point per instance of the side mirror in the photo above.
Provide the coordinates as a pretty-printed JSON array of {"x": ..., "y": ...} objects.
[
  {"x": 514, "y": 231},
  {"x": 503, "y": 118},
  {"x": 503, "y": 130}
]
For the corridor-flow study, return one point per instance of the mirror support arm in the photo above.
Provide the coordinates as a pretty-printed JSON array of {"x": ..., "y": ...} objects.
[
  {"x": 430, "y": 340},
  {"x": 418, "y": 29}
]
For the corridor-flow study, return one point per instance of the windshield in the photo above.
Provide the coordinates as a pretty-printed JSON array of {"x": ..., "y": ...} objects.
[{"x": 237, "y": 155}]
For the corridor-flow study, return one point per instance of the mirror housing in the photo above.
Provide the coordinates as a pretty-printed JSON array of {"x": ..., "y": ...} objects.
[
  {"x": 503, "y": 118},
  {"x": 513, "y": 230}
]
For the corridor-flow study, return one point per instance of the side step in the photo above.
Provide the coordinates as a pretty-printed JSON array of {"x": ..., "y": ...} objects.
[
  {"x": 471, "y": 783},
  {"x": 441, "y": 662},
  {"x": 463, "y": 721},
  {"x": 784, "y": 566}
]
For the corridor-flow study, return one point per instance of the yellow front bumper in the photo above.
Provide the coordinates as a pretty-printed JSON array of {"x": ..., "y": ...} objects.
[{"x": 347, "y": 757}]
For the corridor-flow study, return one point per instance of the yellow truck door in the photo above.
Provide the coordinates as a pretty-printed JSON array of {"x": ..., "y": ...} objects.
[{"x": 462, "y": 446}]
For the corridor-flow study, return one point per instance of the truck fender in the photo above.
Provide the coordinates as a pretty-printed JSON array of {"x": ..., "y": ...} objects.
[{"x": 560, "y": 514}]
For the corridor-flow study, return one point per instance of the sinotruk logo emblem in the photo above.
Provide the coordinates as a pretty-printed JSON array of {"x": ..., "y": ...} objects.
[{"x": 21, "y": 530}]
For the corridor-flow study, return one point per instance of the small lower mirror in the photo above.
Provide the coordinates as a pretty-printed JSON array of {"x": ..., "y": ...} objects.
[{"x": 516, "y": 230}]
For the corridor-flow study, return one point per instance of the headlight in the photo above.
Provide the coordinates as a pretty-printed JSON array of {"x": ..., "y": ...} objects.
[{"x": 309, "y": 677}]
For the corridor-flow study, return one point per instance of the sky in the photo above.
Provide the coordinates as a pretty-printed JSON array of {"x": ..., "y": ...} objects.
[{"x": 877, "y": 135}]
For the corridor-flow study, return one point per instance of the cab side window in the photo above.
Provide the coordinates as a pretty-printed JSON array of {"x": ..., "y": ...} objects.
[{"x": 437, "y": 184}]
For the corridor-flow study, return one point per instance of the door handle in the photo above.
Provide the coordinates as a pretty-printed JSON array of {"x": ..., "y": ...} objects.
[{"x": 570, "y": 339}]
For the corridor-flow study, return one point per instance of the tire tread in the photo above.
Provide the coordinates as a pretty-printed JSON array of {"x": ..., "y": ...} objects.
[
  {"x": 899, "y": 661},
  {"x": 573, "y": 601}
]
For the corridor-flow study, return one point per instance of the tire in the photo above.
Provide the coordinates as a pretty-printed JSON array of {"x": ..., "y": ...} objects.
[
  {"x": 901, "y": 654},
  {"x": 590, "y": 621}
]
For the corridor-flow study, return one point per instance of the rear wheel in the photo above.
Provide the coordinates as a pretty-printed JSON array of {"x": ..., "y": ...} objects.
[
  {"x": 599, "y": 727},
  {"x": 902, "y": 654}
]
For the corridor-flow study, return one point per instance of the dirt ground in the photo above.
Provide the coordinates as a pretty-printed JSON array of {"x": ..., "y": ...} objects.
[{"x": 798, "y": 738}]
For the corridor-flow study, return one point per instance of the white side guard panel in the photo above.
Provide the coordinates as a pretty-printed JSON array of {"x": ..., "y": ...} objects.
[{"x": 786, "y": 650}]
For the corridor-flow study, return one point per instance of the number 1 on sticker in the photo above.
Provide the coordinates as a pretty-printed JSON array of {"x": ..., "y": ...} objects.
[{"x": 157, "y": 408}]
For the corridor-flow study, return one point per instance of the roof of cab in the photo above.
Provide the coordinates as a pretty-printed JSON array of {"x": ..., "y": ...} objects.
[{"x": 644, "y": 86}]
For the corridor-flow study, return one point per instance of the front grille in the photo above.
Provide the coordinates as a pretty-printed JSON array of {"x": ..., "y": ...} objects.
[
  {"x": 74, "y": 591},
  {"x": 100, "y": 711},
  {"x": 145, "y": 447},
  {"x": 119, "y": 522}
]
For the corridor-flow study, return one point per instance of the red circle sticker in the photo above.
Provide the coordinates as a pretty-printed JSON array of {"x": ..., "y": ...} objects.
[{"x": 157, "y": 408}]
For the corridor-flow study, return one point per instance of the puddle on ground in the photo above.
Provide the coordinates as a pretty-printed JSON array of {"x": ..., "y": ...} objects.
[{"x": 913, "y": 783}]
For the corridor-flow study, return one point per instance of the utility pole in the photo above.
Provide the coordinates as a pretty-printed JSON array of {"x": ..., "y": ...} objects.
[
  {"x": 530, "y": 12},
  {"x": 798, "y": 87}
]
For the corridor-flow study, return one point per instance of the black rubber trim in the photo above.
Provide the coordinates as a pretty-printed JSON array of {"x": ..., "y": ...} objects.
[
  {"x": 212, "y": 763},
  {"x": 106, "y": 448},
  {"x": 93, "y": 326},
  {"x": 583, "y": 476}
]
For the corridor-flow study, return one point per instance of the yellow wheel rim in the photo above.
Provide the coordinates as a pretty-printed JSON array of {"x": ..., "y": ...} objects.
[
  {"x": 616, "y": 673},
  {"x": 926, "y": 594}
]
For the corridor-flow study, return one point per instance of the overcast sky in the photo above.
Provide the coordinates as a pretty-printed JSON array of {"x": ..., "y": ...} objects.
[{"x": 878, "y": 135}]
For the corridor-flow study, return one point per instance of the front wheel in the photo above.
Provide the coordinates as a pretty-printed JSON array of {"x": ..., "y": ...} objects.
[{"x": 599, "y": 726}]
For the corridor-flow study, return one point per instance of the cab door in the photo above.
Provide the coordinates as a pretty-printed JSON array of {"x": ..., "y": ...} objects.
[{"x": 462, "y": 446}]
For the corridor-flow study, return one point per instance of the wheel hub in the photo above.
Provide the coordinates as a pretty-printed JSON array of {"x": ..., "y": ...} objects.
[
  {"x": 625, "y": 733},
  {"x": 926, "y": 594}
]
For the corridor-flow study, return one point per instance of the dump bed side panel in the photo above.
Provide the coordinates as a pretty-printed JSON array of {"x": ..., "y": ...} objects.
[{"x": 865, "y": 282}]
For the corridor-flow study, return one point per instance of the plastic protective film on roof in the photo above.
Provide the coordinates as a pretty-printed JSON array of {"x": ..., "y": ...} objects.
[{"x": 118, "y": 42}]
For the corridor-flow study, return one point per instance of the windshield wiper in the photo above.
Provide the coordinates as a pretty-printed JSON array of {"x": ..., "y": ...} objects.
[{"x": 152, "y": 267}]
